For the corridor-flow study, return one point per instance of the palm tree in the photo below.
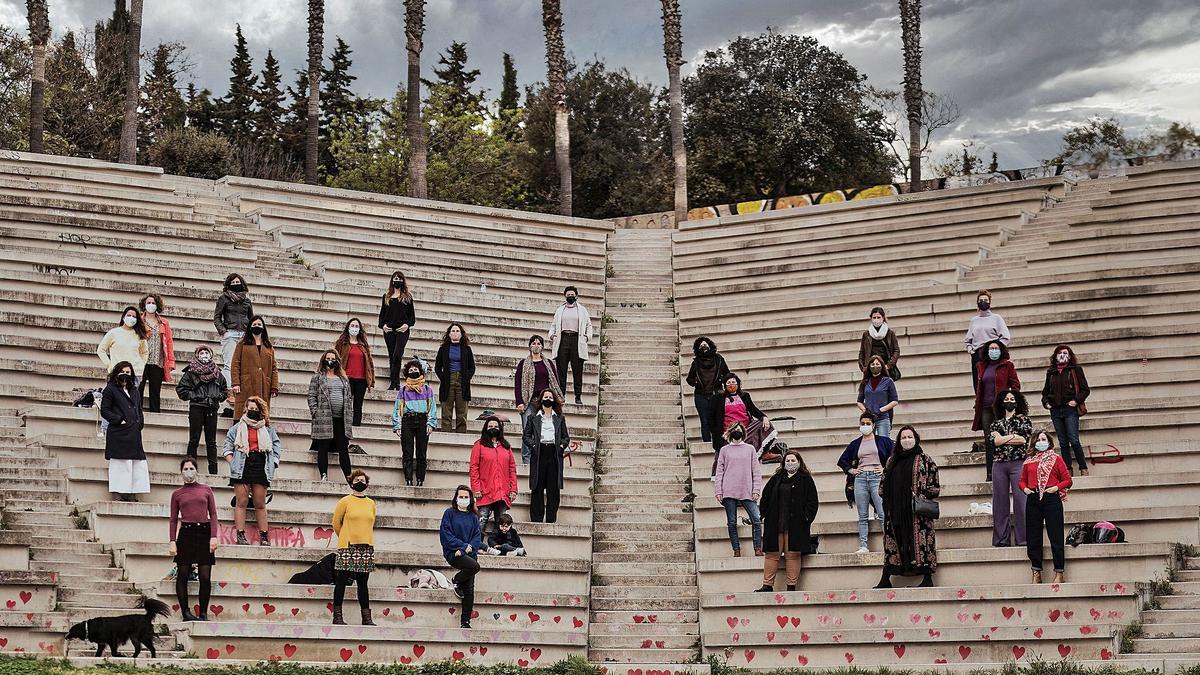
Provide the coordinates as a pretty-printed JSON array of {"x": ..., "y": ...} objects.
[
  {"x": 673, "y": 51},
  {"x": 414, "y": 31},
  {"x": 556, "y": 65},
  {"x": 39, "y": 35},
  {"x": 910, "y": 35},
  {"x": 316, "y": 50},
  {"x": 133, "y": 81}
]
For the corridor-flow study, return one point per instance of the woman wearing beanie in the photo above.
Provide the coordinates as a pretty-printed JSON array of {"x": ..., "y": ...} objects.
[
  {"x": 414, "y": 418},
  {"x": 204, "y": 388}
]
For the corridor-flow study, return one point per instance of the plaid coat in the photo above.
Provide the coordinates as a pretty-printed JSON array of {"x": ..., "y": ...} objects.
[{"x": 322, "y": 411}]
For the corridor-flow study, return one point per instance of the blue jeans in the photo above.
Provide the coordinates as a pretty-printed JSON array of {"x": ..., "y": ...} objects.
[
  {"x": 1066, "y": 427},
  {"x": 491, "y": 512},
  {"x": 883, "y": 425},
  {"x": 866, "y": 495},
  {"x": 751, "y": 509},
  {"x": 526, "y": 451}
]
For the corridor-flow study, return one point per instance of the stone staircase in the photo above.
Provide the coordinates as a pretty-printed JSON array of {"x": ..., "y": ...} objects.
[
  {"x": 644, "y": 598},
  {"x": 1034, "y": 236},
  {"x": 1171, "y": 628},
  {"x": 33, "y": 490}
]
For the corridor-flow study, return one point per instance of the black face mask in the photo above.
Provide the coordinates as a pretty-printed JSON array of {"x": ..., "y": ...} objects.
[
  {"x": 358, "y": 486},
  {"x": 1010, "y": 405},
  {"x": 736, "y": 435},
  {"x": 256, "y": 330},
  {"x": 396, "y": 283},
  {"x": 547, "y": 403},
  {"x": 123, "y": 378},
  {"x": 254, "y": 415},
  {"x": 570, "y": 299},
  {"x": 330, "y": 363},
  {"x": 238, "y": 288},
  {"x": 493, "y": 433},
  {"x": 983, "y": 305},
  {"x": 413, "y": 374}
]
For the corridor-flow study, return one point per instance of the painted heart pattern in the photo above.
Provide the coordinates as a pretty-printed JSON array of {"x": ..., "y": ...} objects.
[
  {"x": 289, "y": 650},
  {"x": 1018, "y": 652}
]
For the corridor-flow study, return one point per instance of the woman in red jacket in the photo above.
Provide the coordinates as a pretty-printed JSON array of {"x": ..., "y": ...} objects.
[
  {"x": 994, "y": 373},
  {"x": 1044, "y": 479},
  {"x": 493, "y": 472}
]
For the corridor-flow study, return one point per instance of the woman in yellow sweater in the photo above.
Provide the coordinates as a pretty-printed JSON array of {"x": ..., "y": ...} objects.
[{"x": 354, "y": 525}]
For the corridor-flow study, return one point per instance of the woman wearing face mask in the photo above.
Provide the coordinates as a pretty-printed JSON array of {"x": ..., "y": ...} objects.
[
  {"x": 909, "y": 544},
  {"x": 160, "y": 350},
  {"x": 252, "y": 449},
  {"x": 547, "y": 436},
  {"x": 332, "y": 411},
  {"x": 985, "y": 327},
  {"x": 354, "y": 353},
  {"x": 232, "y": 318},
  {"x": 997, "y": 373},
  {"x": 879, "y": 340},
  {"x": 126, "y": 342},
  {"x": 534, "y": 373},
  {"x": 1045, "y": 480},
  {"x": 863, "y": 460},
  {"x": 706, "y": 377},
  {"x": 254, "y": 370},
  {"x": 203, "y": 387},
  {"x": 414, "y": 417},
  {"x": 1065, "y": 390},
  {"x": 397, "y": 316},
  {"x": 493, "y": 472},
  {"x": 1010, "y": 438},
  {"x": 734, "y": 406},
  {"x": 194, "y": 529},
  {"x": 461, "y": 539},
  {"x": 121, "y": 407},
  {"x": 789, "y": 507},
  {"x": 455, "y": 366},
  {"x": 354, "y": 525},
  {"x": 569, "y": 334},
  {"x": 877, "y": 395},
  {"x": 739, "y": 482}
]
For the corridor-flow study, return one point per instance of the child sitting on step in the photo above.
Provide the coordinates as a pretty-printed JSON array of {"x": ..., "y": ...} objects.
[{"x": 504, "y": 539}]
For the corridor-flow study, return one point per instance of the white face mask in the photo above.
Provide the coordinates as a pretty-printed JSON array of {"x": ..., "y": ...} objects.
[
  {"x": 353, "y": 330},
  {"x": 908, "y": 443},
  {"x": 204, "y": 357},
  {"x": 130, "y": 321},
  {"x": 791, "y": 467},
  {"x": 1064, "y": 357},
  {"x": 463, "y": 502},
  {"x": 189, "y": 475},
  {"x": 877, "y": 322},
  {"x": 866, "y": 429},
  {"x": 1042, "y": 446},
  {"x": 151, "y": 308}
]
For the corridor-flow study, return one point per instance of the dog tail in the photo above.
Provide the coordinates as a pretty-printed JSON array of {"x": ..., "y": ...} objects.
[{"x": 155, "y": 608}]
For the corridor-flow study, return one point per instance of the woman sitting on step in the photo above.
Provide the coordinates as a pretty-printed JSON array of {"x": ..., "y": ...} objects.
[
  {"x": 461, "y": 540},
  {"x": 252, "y": 449},
  {"x": 789, "y": 507},
  {"x": 909, "y": 545},
  {"x": 194, "y": 530}
]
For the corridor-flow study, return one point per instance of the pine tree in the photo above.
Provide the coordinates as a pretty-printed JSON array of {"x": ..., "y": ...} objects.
[
  {"x": 237, "y": 108},
  {"x": 201, "y": 110},
  {"x": 509, "y": 123},
  {"x": 108, "y": 88},
  {"x": 294, "y": 131},
  {"x": 68, "y": 107},
  {"x": 162, "y": 106},
  {"x": 337, "y": 99},
  {"x": 460, "y": 100},
  {"x": 268, "y": 121}
]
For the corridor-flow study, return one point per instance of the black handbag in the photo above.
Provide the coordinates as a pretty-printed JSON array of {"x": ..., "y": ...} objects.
[{"x": 926, "y": 508}]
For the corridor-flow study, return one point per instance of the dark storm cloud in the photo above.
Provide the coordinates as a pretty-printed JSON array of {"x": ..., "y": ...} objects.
[{"x": 1021, "y": 70}]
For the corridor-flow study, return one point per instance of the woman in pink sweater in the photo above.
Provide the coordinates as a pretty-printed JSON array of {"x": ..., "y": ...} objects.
[
  {"x": 1044, "y": 480},
  {"x": 194, "y": 530},
  {"x": 739, "y": 481}
]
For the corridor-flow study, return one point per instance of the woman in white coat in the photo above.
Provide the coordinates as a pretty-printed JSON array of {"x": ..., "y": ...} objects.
[{"x": 570, "y": 332}]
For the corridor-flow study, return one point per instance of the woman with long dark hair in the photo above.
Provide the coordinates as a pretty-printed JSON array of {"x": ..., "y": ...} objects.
[
  {"x": 1063, "y": 394},
  {"x": 397, "y": 316},
  {"x": 254, "y": 371},
  {"x": 160, "y": 350},
  {"x": 121, "y": 407},
  {"x": 232, "y": 317},
  {"x": 194, "y": 528},
  {"x": 734, "y": 405},
  {"x": 909, "y": 544},
  {"x": 126, "y": 342},
  {"x": 547, "y": 436},
  {"x": 877, "y": 395},
  {"x": 461, "y": 540},
  {"x": 455, "y": 366},
  {"x": 1010, "y": 438},
  {"x": 493, "y": 472},
  {"x": 534, "y": 373},
  {"x": 354, "y": 353},
  {"x": 332, "y": 411},
  {"x": 994, "y": 373},
  {"x": 789, "y": 506}
]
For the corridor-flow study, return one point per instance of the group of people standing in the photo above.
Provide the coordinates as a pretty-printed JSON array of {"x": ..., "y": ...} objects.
[{"x": 895, "y": 478}]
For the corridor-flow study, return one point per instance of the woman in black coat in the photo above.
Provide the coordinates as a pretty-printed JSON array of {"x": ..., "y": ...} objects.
[
  {"x": 121, "y": 407},
  {"x": 546, "y": 456},
  {"x": 455, "y": 366},
  {"x": 789, "y": 506}
]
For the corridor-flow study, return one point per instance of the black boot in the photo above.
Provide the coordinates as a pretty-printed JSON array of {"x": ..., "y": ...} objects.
[
  {"x": 338, "y": 620},
  {"x": 186, "y": 613},
  {"x": 885, "y": 581},
  {"x": 791, "y": 588},
  {"x": 764, "y": 589},
  {"x": 212, "y": 467},
  {"x": 366, "y": 617},
  {"x": 927, "y": 582}
]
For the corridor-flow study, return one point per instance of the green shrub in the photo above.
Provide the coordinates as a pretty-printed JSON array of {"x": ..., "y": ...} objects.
[{"x": 187, "y": 152}]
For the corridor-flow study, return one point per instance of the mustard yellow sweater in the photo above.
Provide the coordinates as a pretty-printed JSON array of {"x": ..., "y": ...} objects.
[{"x": 354, "y": 521}]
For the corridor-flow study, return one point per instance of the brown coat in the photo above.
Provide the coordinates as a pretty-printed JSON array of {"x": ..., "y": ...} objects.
[
  {"x": 254, "y": 370},
  {"x": 867, "y": 348},
  {"x": 343, "y": 352}
]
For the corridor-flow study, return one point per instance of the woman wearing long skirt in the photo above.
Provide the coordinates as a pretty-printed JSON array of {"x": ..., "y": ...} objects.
[{"x": 128, "y": 472}]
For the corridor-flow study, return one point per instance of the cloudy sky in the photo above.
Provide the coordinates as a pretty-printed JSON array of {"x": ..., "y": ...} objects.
[{"x": 1021, "y": 70}]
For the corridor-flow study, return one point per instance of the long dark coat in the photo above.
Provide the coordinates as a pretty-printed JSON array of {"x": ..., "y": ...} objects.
[
  {"x": 914, "y": 532},
  {"x": 532, "y": 437},
  {"x": 803, "y": 503},
  {"x": 125, "y": 420}
]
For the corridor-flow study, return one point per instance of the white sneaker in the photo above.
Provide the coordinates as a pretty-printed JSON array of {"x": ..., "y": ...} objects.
[
  {"x": 492, "y": 551},
  {"x": 520, "y": 553},
  {"x": 863, "y": 549}
]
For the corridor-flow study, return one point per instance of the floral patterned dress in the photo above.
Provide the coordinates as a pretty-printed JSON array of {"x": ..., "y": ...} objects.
[{"x": 909, "y": 543}]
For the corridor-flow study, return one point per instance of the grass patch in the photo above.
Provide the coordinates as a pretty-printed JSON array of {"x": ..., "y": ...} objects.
[{"x": 1130, "y": 633}]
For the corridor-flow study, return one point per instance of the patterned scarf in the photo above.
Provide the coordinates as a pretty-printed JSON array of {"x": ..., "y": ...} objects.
[
  {"x": 207, "y": 372},
  {"x": 242, "y": 439},
  {"x": 417, "y": 384},
  {"x": 1045, "y": 466}
]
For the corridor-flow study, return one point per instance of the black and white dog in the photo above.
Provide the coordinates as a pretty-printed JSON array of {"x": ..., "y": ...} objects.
[{"x": 114, "y": 631}]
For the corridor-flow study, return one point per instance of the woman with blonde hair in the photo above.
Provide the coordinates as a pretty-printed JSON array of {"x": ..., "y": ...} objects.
[{"x": 252, "y": 449}]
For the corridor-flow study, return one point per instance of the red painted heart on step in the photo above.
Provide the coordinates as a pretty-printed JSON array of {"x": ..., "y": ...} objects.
[
  {"x": 289, "y": 650},
  {"x": 1008, "y": 612},
  {"x": 963, "y": 652},
  {"x": 1018, "y": 651},
  {"x": 899, "y": 649}
]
